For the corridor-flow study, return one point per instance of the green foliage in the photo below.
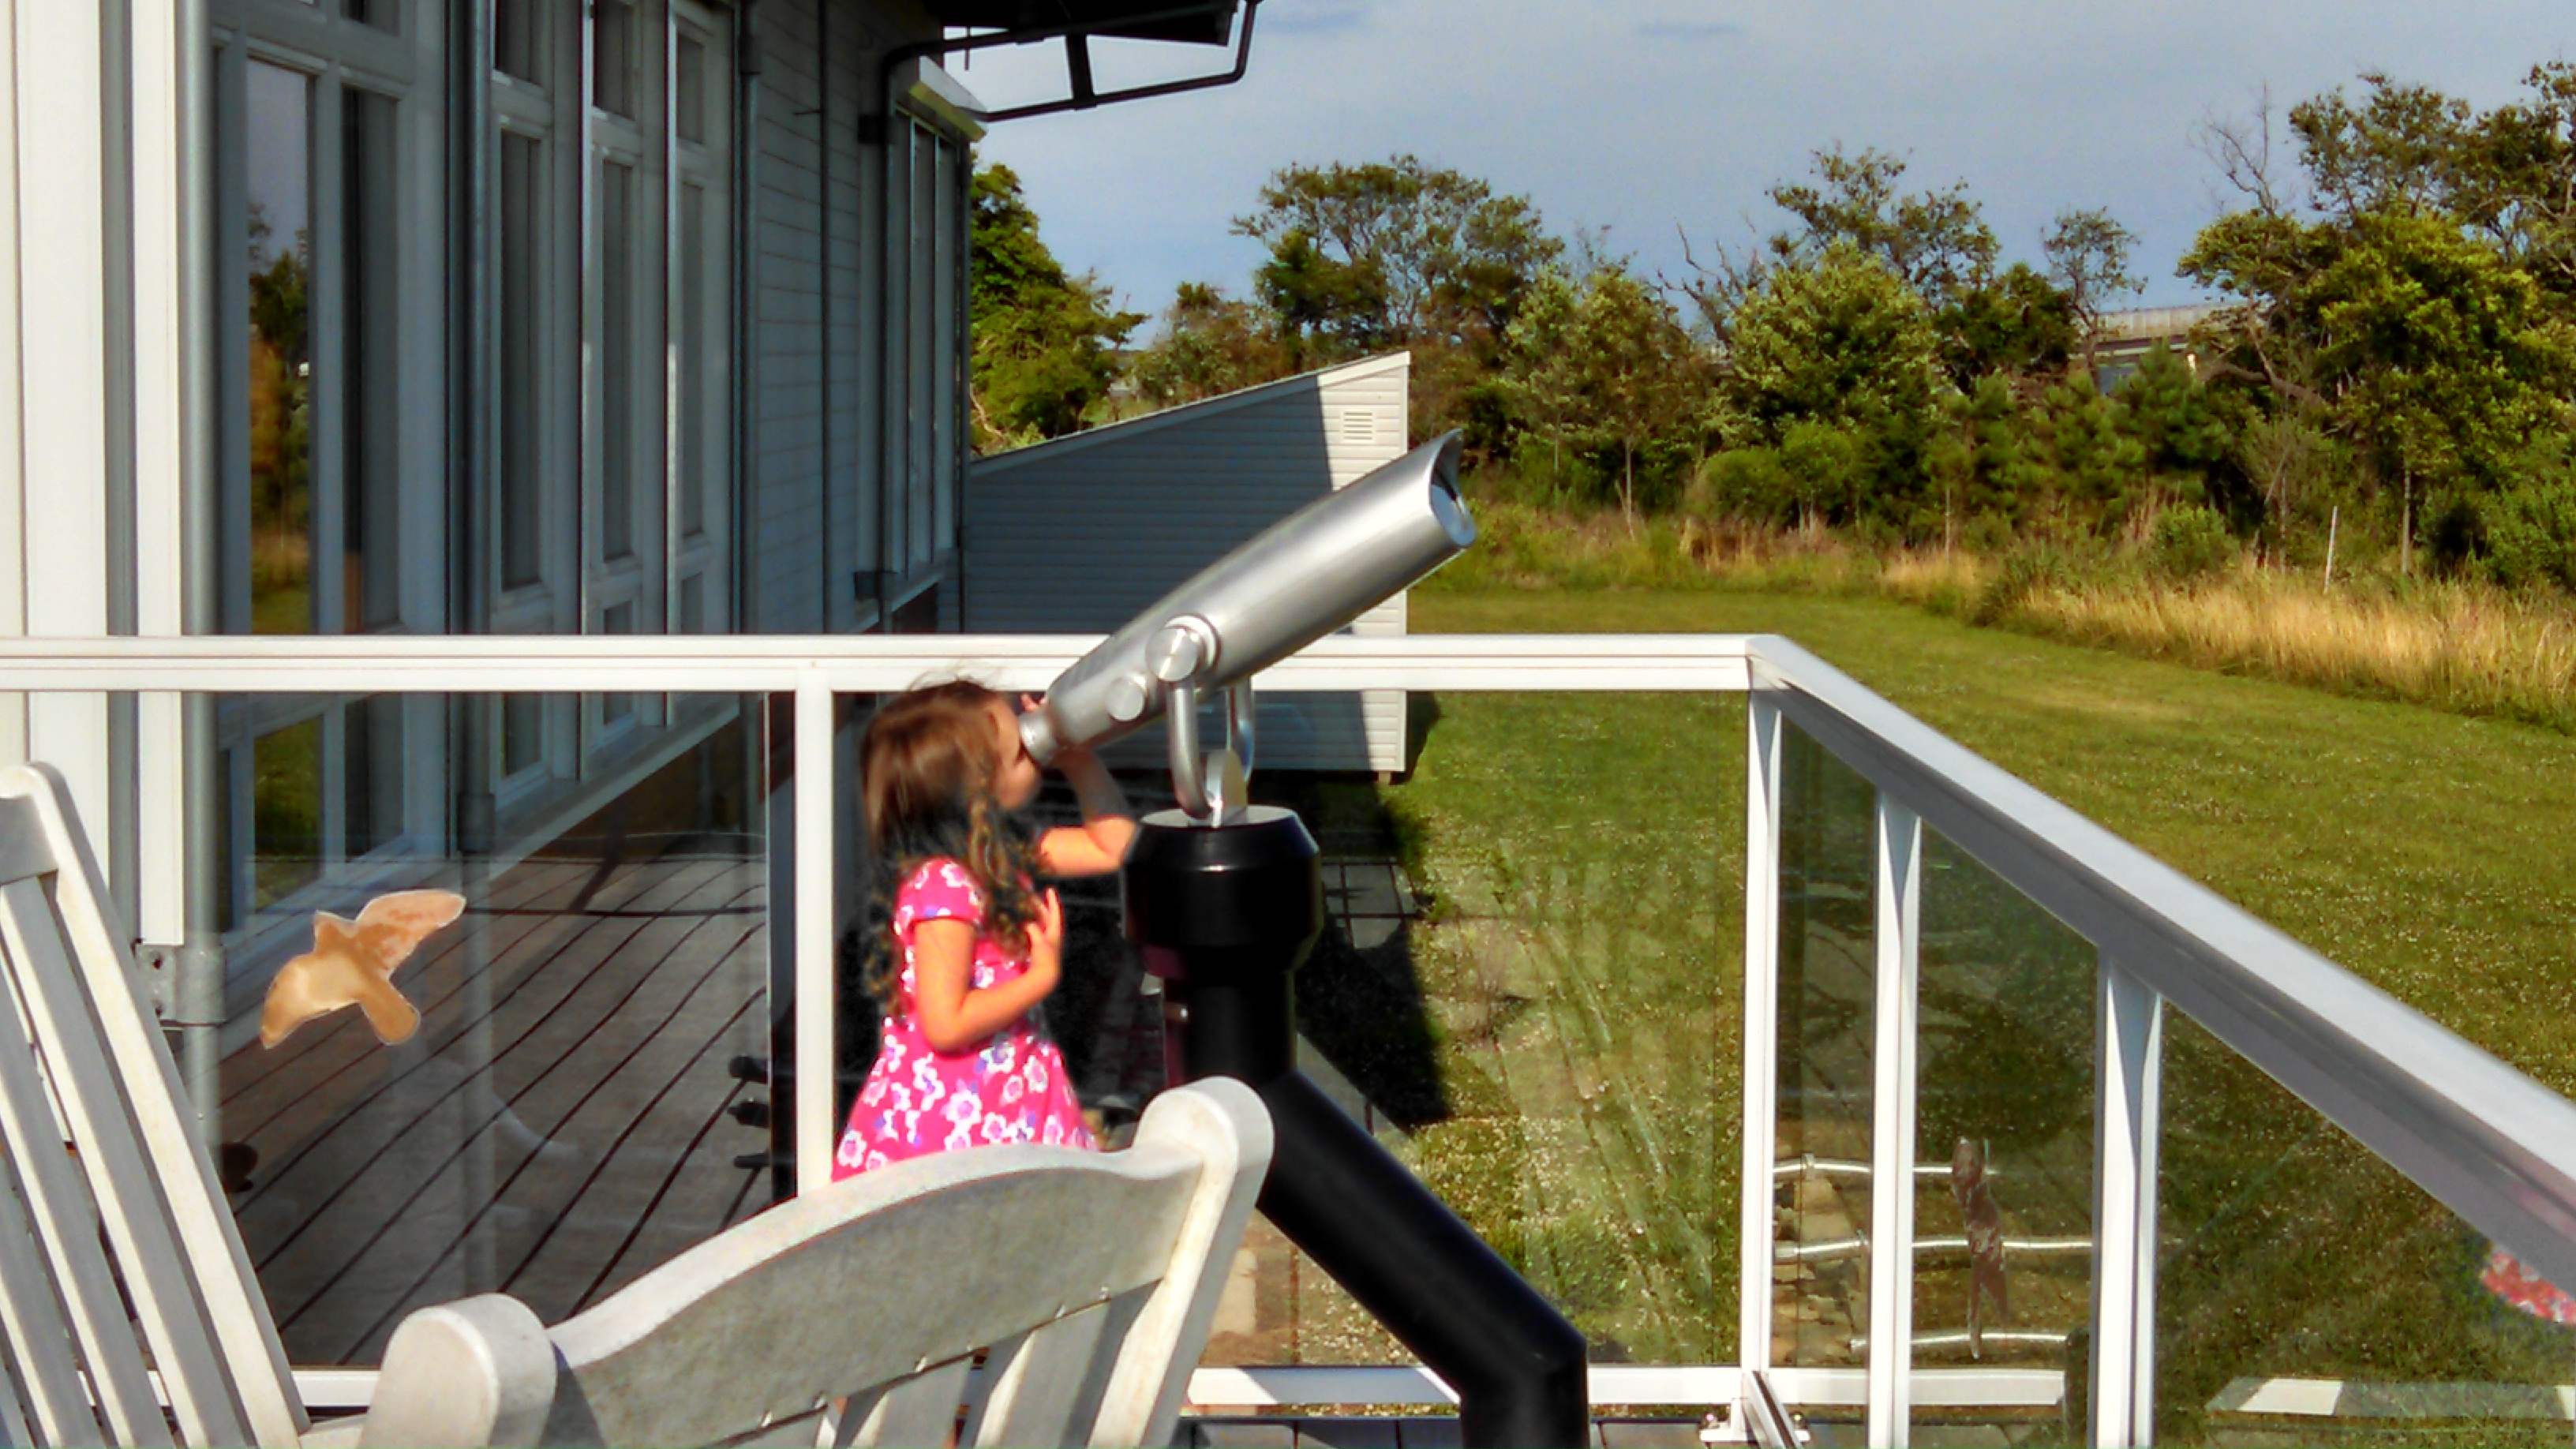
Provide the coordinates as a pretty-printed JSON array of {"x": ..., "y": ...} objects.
[
  {"x": 2018, "y": 322},
  {"x": 2191, "y": 542},
  {"x": 2088, "y": 258},
  {"x": 1393, "y": 253},
  {"x": 2176, "y": 425},
  {"x": 1936, "y": 241},
  {"x": 1043, "y": 339},
  {"x": 1604, "y": 366},
  {"x": 1845, "y": 342},
  {"x": 1211, "y": 344},
  {"x": 2530, "y": 527},
  {"x": 1749, "y": 484},
  {"x": 2097, "y": 462}
]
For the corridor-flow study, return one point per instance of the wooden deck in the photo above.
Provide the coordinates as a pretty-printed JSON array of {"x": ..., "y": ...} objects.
[{"x": 556, "y": 1127}]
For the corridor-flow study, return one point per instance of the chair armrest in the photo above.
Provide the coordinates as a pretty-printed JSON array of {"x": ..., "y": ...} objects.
[{"x": 479, "y": 1371}]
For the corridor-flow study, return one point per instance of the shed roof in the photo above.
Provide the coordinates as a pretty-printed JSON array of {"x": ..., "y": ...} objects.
[{"x": 1189, "y": 412}]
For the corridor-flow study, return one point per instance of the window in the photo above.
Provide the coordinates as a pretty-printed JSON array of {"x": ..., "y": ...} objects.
[
  {"x": 518, "y": 37},
  {"x": 614, "y": 54},
  {"x": 277, "y": 118},
  {"x": 370, "y": 506},
  {"x": 521, "y": 391},
  {"x": 617, "y": 369}
]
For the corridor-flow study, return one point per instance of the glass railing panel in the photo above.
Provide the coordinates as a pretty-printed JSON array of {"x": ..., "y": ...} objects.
[
  {"x": 1827, "y": 996},
  {"x": 548, "y": 1094},
  {"x": 2309, "y": 1293},
  {"x": 1529, "y": 990},
  {"x": 2004, "y": 1098}
]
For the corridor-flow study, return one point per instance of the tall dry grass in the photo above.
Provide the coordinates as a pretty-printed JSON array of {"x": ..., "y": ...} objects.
[
  {"x": 2463, "y": 647},
  {"x": 2467, "y": 648}
]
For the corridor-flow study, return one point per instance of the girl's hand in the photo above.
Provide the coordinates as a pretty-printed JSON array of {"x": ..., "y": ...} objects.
[{"x": 1046, "y": 940}]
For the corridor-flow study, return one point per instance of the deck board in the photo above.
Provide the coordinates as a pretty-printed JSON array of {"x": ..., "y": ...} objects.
[
  {"x": 592, "y": 1146},
  {"x": 583, "y": 1116}
]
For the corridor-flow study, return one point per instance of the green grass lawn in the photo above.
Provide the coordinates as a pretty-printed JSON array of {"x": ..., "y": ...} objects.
[{"x": 1582, "y": 972}]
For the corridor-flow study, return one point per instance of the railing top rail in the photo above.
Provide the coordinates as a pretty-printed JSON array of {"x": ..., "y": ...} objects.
[
  {"x": 868, "y": 663},
  {"x": 2495, "y": 1146}
]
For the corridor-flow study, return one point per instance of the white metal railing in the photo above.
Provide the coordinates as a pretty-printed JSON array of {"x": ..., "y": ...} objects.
[{"x": 2495, "y": 1147}]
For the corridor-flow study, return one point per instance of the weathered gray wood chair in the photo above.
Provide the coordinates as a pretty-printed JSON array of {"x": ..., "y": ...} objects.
[{"x": 1085, "y": 1282}]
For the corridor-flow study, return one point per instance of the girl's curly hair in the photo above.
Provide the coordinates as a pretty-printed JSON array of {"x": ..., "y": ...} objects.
[{"x": 926, "y": 767}]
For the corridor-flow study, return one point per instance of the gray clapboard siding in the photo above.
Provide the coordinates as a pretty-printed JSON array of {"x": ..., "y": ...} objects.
[{"x": 1078, "y": 534}]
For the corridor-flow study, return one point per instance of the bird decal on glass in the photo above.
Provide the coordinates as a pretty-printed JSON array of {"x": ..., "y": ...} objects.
[
  {"x": 352, "y": 963},
  {"x": 1983, "y": 1220}
]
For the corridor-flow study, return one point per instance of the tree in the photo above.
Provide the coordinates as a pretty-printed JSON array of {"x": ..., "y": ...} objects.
[
  {"x": 1936, "y": 241},
  {"x": 2088, "y": 258},
  {"x": 2179, "y": 432},
  {"x": 1211, "y": 344},
  {"x": 2441, "y": 360},
  {"x": 1841, "y": 339},
  {"x": 2016, "y": 322},
  {"x": 1394, "y": 253},
  {"x": 2097, "y": 461},
  {"x": 1044, "y": 341},
  {"x": 1607, "y": 366}
]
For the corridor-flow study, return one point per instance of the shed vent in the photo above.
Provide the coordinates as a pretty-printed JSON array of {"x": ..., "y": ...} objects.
[{"x": 1359, "y": 425}]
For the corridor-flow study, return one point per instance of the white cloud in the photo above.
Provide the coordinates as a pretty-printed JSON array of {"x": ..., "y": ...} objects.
[{"x": 1649, "y": 115}]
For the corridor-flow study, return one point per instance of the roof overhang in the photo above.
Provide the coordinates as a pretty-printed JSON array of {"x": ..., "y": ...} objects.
[{"x": 1201, "y": 22}]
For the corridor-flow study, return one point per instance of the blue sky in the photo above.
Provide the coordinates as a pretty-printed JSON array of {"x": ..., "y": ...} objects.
[{"x": 1644, "y": 116}]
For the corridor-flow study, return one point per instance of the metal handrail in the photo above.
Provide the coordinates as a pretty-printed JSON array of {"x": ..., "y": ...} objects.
[{"x": 2493, "y": 1145}]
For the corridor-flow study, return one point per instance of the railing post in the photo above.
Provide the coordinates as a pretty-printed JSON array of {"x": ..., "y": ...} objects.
[
  {"x": 1891, "y": 1149},
  {"x": 815, "y": 1075},
  {"x": 1761, "y": 1023},
  {"x": 2128, "y": 1070}
]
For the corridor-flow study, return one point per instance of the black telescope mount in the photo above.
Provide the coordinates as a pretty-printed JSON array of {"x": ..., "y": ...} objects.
[{"x": 1225, "y": 910}]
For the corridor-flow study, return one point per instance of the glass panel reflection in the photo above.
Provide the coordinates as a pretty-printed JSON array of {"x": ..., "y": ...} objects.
[
  {"x": 2307, "y": 1292},
  {"x": 2003, "y": 1209},
  {"x": 1821, "y": 1262},
  {"x": 1527, "y": 990},
  {"x": 535, "y": 1099}
]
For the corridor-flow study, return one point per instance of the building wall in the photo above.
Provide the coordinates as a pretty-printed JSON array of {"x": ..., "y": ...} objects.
[
  {"x": 1079, "y": 534},
  {"x": 835, "y": 210}
]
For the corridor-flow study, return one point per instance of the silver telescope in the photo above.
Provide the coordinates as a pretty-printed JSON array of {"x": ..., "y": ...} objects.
[{"x": 1300, "y": 579}]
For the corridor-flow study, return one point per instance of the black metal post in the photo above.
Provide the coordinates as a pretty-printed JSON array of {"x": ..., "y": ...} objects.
[{"x": 1225, "y": 915}]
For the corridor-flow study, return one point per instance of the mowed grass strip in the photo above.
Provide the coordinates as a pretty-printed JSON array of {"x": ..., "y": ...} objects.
[{"x": 1583, "y": 966}]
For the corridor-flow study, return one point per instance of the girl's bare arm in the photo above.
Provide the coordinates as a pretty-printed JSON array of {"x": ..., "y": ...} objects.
[
  {"x": 1099, "y": 846},
  {"x": 955, "y": 1014}
]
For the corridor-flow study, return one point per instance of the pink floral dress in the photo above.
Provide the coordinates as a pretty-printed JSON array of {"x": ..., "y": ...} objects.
[{"x": 1010, "y": 1088}]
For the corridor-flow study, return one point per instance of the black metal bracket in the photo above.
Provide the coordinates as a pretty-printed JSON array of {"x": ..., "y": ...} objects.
[{"x": 877, "y": 130}]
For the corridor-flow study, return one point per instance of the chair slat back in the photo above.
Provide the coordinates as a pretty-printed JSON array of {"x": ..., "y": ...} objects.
[
  {"x": 855, "y": 1315},
  {"x": 107, "y": 1179}
]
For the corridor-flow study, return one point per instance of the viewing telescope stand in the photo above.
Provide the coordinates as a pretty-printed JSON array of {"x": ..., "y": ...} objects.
[{"x": 1225, "y": 908}]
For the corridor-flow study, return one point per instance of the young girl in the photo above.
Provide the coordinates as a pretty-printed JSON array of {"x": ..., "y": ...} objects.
[{"x": 961, "y": 947}]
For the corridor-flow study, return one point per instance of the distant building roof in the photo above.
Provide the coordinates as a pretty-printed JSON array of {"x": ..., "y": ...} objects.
[{"x": 2148, "y": 324}]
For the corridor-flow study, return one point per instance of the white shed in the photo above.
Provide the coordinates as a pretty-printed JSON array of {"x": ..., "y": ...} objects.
[{"x": 1078, "y": 534}]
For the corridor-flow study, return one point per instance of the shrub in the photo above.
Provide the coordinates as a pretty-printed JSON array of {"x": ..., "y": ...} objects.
[
  {"x": 1742, "y": 483},
  {"x": 2021, "y": 575},
  {"x": 2191, "y": 543},
  {"x": 2531, "y": 533}
]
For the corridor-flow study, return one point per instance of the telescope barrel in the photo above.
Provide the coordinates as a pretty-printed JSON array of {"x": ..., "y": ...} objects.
[{"x": 1302, "y": 578}]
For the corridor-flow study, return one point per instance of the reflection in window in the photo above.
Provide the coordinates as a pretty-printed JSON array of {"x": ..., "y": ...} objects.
[
  {"x": 371, "y": 769},
  {"x": 616, "y": 360},
  {"x": 613, "y": 88},
  {"x": 280, "y": 181},
  {"x": 370, "y": 513},
  {"x": 520, "y": 382},
  {"x": 523, "y": 732},
  {"x": 286, "y": 811}
]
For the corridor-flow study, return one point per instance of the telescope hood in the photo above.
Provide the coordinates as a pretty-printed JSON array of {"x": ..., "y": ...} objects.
[{"x": 1302, "y": 578}]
